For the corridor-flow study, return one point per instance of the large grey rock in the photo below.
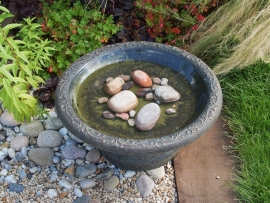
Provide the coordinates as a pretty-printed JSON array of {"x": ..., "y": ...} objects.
[
  {"x": 166, "y": 94},
  {"x": 52, "y": 123},
  {"x": 19, "y": 142},
  {"x": 157, "y": 173},
  {"x": 73, "y": 152},
  {"x": 8, "y": 119},
  {"x": 49, "y": 138},
  {"x": 87, "y": 183},
  {"x": 32, "y": 129},
  {"x": 145, "y": 185},
  {"x": 85, "y": 170},
  {"x": 111, "y": 183},
  {"x": 41, "y": 156},
  {"x": 123, "y": 101},
  {"x": 147, "y": 117}
]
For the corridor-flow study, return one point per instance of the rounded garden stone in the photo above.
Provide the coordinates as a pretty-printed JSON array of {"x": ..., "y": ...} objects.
[
  {"x": 32, "y": 129},
  {"x": 111, "y": 183},
  {"x": 52, "y": 193},
  {"x": 73, "y": 152},
  {"x": 129, "y": 174},
  {"x": 145, "y": 185},
  {"x": 147, "y": 117},
  {"x": 123, "y": 116},
  {"x": 166, "y": 94},
  {"x": 157, "y": 173},
  {"x": 19, "y": 142},
  {"x": 85, "y": 170},
  {"x": 41, "y": 156},
  {"x": 141, "y": 78},
  {"x": 65, "y": 184},
  {"x": 123, "y": 101},
  {"x": 128, "y": 85},
  {"x": 78, "y": 192},
  {"x": 11, "y": 153},
  {"x": 93, "y": 156},
  {"x": 87, "y": 183},
  {"x": 8, "y": 119},
  {"x": 102, "y": 100},
  {"x": 49, "y": 138},
  {"x": 156, "y": 80},
  {"x": 52, "y": 123},
  {"x": 114, "y": 86},
  {"x": 170, "y": 111},
  {"x": 108, "y": 115}
]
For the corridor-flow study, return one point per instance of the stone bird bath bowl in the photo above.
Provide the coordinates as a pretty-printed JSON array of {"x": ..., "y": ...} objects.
[{"x": 124, "y": 146}]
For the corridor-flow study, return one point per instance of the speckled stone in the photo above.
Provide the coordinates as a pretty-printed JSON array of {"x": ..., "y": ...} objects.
[
  {"x": 73, "y": 152},
  {"x": 52, "y": 123},
  {"x": 19, "y": 142},
  {"x": 32, "y": 129},
  {"x": 8, "y": 119},
  {"x": 123, "y": 101},
  {"x": 145, "y": 185},
  {"x": 14, "y": 187},
  {"x": 147, "y": 116},
  {"x": 49, "y": 138},
  {"x": 41, "y": 156},
  {"x": 166, "y": 94},
  {"x": 111, "y": 183}
]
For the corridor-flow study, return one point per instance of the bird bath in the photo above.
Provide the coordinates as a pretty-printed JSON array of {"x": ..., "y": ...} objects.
[{"x": 81, "y": 85}]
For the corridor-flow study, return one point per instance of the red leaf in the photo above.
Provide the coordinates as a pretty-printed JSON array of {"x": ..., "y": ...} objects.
[
  {"x": 175, "y": 30},
  {"x": 200, "y": 18}
]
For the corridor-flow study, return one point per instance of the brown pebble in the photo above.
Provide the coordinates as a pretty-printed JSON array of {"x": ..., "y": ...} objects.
[
  {"x": 156, "y": 81},
  {"x": 63, "y": 195},
  {"x": 125, "y": 77},
  {"x": 98, "y": 171},
  {"x": 114, "y": 86},
  {"x": 141, "y": 78}
]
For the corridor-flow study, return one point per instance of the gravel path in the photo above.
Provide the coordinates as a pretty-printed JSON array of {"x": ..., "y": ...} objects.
[{"x": 42, "y": 162}]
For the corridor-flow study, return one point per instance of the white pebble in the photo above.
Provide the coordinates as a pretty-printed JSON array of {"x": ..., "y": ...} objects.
[
  {"x": 164, "y": 81},
  {"x": 52, "y": 193},
  {"x": 65, "y": 184},
  {"x": 54, "y": 177},
  {"x": 63, "y": 131},
  {"x": 2, "y": 155},
  {"x": 10, "y": 179},
  {"x": 131, "y": 122},
  {"x": 11, "y": 153},
  {"x": 132, "y": 113},
  {"x": 78, "y": 192},
  {"x": 4, "y": 172},
  {"x": 129, "y": 174},
  {"x": 33, "y": 169}
]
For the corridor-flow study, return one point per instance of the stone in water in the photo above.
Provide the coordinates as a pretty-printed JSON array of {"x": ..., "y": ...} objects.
[
  {"x": 123, "y": 102},
  {"x": 166, "y": 94},
  {"x": 141, "y": 78},
  {"x": 114, "y": 86},
  {"x": 147, "y": 117}
]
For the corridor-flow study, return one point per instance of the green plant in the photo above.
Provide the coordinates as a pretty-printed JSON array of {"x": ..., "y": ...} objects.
[
  {"x": 172, "y": 22},
  {"x": 75, "y": 30},
  {"x": 22, "y": 59}
]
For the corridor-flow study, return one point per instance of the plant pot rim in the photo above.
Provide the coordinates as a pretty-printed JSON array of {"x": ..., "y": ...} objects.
[{"x": 64, "y": 108}]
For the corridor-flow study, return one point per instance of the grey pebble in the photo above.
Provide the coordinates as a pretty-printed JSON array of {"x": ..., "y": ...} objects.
[
  {"x": 32, "y": 129},
  {"x": 78, "y": 192},
  {"x": 70, "y": 141},
  {"x": 85, "y": 170},
  {"x": 79, "y": 161},
  {"x": 73, "y": 152},
  {"x": 104, "y": 175},
  {"x": 54, "y": 177},
  {"x": 22, "y": 173},
  {"x": 16, "y": 129},
  {"x": 49, "y": 138},
  {"x": 63, "y": 131},
  {"x": 52, "y": 123},
  {"x": 19, "y": 156},
  {"x": 87, "y": 183},
  {"x": 56, "y": 159},
  {"x": 83, "y": 199}
]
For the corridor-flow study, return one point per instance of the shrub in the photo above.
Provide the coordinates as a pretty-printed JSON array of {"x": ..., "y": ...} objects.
[
  {"x": 75, "y": 30},
  {"x": 22, "y": 59}
]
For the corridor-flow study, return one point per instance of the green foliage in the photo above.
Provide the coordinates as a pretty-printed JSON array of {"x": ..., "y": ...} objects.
[
  {"x": 22, "y": 59},
  {"x": 172, "y": 22},
  {"x": 75, "y": 30}
]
